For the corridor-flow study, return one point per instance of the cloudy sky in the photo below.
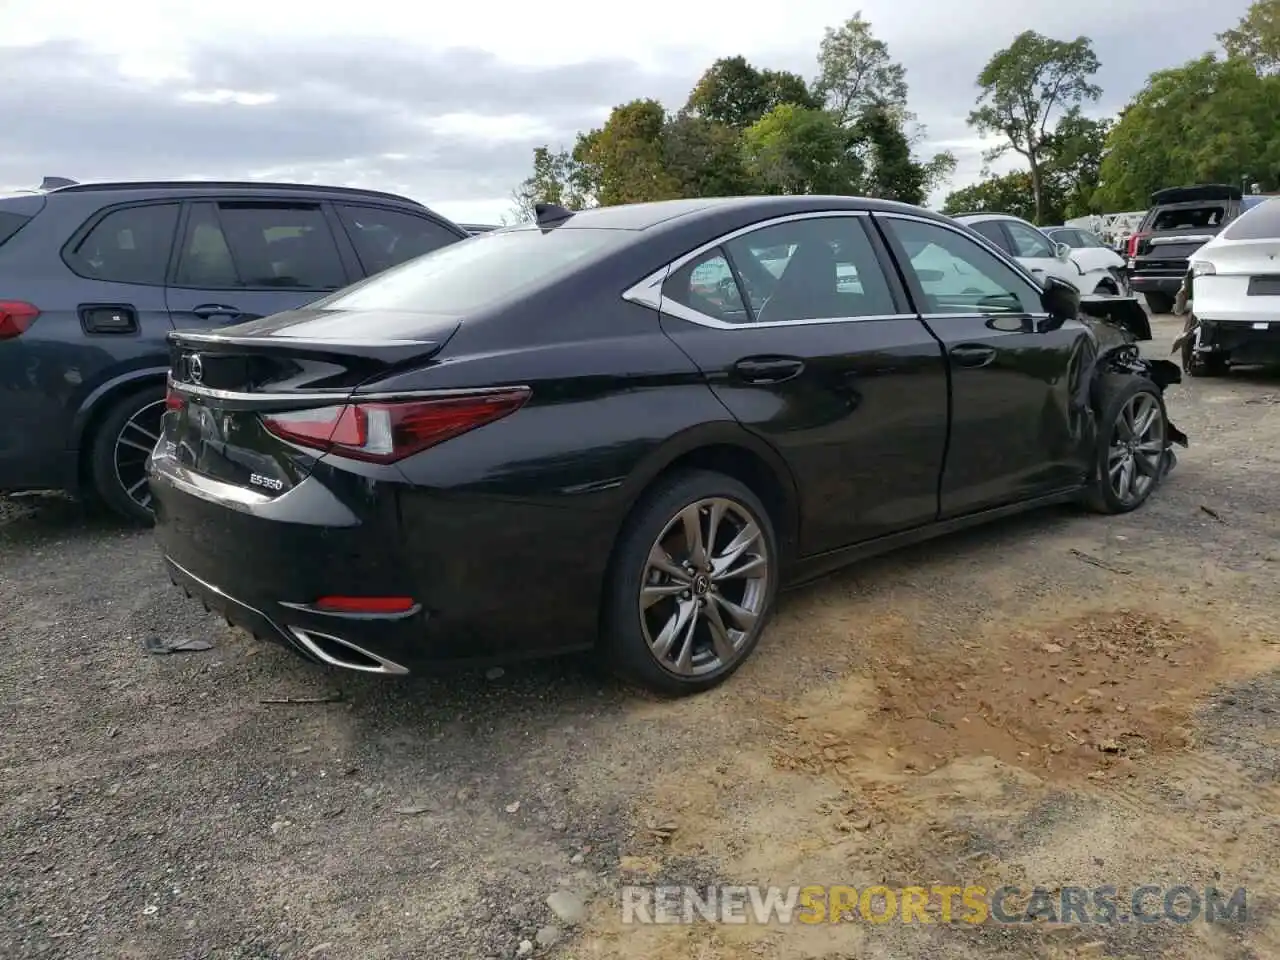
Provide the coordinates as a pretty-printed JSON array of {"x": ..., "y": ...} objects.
[{"x": 444, "y": 101}]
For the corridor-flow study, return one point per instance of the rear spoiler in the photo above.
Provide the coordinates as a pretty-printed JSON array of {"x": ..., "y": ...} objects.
[{"x": 1199, "y": 193}]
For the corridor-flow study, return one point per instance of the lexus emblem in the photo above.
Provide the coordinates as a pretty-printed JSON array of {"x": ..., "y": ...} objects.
[{"x": 195, "y": 368}]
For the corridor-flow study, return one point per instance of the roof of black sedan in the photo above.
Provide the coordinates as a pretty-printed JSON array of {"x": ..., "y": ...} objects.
[{"x": 642, "y": 216}]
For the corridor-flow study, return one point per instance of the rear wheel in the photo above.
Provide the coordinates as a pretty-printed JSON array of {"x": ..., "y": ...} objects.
[
  {"x": 1133, "y": 453},
  {"x": 1159, "y": 302},
  {"x": 692, "y": 584},
  {"x": 121, "y": 444}
]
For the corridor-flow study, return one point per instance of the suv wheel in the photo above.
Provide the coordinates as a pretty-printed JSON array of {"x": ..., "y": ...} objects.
[
  {"x": 118, "y": 456},
  {"x": 1159, "y": 302}
]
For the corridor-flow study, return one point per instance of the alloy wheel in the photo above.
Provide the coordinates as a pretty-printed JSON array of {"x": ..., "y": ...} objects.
[
  {"x": 134, "y": 443},
  {"x": 1136, "y": 449},
  {"x": 705, "y": 586}
]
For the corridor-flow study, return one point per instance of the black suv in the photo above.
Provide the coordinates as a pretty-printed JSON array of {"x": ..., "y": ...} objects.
[
  {"x": 93, "y": 276},
  {"x": 1180, "y": 221}
]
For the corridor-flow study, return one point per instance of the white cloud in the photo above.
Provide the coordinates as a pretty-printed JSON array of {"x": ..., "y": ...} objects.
[{"x": 445, "y": 101}]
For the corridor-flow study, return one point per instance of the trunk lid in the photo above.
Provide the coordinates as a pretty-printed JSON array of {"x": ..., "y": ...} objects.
[{"x": 223, "y": 382}]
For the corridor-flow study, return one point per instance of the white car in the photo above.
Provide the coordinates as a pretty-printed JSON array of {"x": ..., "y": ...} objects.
[
  {"x": 1043, "y": 257},
  {"x": 1235, "y": 294},
  {"x": 1088, "y": 249}
]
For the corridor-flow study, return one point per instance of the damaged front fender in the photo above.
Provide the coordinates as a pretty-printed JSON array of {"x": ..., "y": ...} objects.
[{"x": 1125, "y": 358}]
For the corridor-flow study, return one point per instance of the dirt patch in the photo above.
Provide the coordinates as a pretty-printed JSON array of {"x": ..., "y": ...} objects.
[
  {"x": 1026, "y": 751},
  {"x": 1081, "y": 696}
]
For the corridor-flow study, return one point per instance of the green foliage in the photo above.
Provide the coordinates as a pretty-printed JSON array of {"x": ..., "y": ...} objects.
[
  {"x": 1009, "y": 193},
  {"x": 794, "y": 149},
  {"x": 1022, "y": 87},
  {"x": 1257, "y": 37},
  {"x": 747, "y": 130},
  {"x": 855, "y": 72},
  {"x": 1209, "y": 121},
  {"x": 734, "y": 93}
]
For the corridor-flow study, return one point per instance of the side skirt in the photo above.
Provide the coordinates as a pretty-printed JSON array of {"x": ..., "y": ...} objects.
[{"x": 812, "y": 568}]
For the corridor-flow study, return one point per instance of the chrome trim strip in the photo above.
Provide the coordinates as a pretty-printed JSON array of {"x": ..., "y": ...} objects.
[
  {"x": 344, "y": 615},
  {"x": 337, "y": 397},
  {"x": 388, "y": 667},
  {"x": 205, "y": 488},
  {"x": 648, "y": 292},
  {"x": 213, "y": 589},
  {"x": 1189, "y": 238}
]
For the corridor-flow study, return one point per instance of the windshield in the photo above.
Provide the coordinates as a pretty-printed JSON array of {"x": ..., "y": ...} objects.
[{"x": 470, "y": 275}]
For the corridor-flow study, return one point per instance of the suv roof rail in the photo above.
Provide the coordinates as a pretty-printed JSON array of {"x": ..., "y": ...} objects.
[
  {"x": 980, "y": 213},
  {"x": 231, "y": 185}
]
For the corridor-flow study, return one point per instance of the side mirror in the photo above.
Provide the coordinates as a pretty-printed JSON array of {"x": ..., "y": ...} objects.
[
  {"x": 1060, "y": 300},
  {"x": 1062, "y": 252}
]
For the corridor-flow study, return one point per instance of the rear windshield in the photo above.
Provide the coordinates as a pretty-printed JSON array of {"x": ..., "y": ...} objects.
[
  {"x": 1260, "y": 223},
  {"x": 475, "y": 273},
  {"x": 1182, "y": 218}
]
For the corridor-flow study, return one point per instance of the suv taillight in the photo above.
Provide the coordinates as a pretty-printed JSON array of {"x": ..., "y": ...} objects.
[
  {"x": 384, "y": 432},
  {"x": 15, "y": 317},
  {"x": 1134, "y": 240}
]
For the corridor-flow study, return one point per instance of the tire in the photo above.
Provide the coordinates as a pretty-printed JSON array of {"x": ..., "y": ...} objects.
[
  {"x": 633, "y": 638},
  {"x": 1121, "y": 399},
  {"x": 1159, "y": 302},
  {"x": 119, "y": 449}
]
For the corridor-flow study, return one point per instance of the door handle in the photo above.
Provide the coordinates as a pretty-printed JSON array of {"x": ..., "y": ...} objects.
[
  {"x": 207, "y": 311},
  {"x": 768, "y": 369},
  {"x": 972, "y": 355}
]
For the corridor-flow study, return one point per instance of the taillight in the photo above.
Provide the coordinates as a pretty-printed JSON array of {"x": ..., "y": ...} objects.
[
  {"x": 15, "y": 317},
  {"x": 173, "y": 399},
  {"x": 1134, "y": 240},
  {"x": 387, "y": 431}
]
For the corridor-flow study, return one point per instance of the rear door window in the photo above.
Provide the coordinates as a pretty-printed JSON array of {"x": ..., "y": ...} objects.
[
  {"x": 128, "y": 245},
  {"x": 259, "y": 246},
  {"x": 385, "y": 238}
]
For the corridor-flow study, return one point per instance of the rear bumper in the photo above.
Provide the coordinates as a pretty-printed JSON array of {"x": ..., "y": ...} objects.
[
  {"x": 1240, "y": 341},
  {"x": 488, "y": 577}
]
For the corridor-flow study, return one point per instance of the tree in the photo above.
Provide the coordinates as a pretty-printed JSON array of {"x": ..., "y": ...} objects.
[
  {"x": 855, "y": 71},
  {"x": 794, "y": 149},
  {"x": 705, "y": 157},
  {"x": 1009, "y": 193},
  {"x": 1257, "y": 37},
  {"x": 734, "y": 93},
  {"x": 624, "y": 160},
  {"x": 1022, "y": 86},
  {"x": 555, "y": 179},
  {"x": 1074, "y": 154},
  {"x": 866, "y": 92},
  {"x": 1208, "y": 121}
]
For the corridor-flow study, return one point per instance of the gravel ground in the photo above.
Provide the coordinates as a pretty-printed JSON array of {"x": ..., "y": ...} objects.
[{"x": 1056, "y": 699}]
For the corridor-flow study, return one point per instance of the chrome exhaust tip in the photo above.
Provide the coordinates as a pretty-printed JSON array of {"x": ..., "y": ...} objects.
[{"x": 337, "y": 652}]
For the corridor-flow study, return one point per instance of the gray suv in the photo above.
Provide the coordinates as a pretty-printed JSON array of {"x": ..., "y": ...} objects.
[{"x": 93, "y": 276}]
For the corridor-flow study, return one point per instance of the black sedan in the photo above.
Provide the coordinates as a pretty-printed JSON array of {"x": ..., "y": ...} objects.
[{"x": 627, "y": 428}]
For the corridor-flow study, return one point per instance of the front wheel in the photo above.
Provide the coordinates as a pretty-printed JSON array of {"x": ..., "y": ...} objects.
[
  {"x": 692, "y": 584},
  {"x": 1133, "y": 449},
  {"x": 121, "y": 444}
]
